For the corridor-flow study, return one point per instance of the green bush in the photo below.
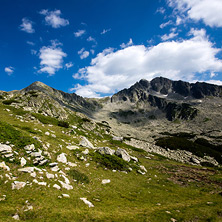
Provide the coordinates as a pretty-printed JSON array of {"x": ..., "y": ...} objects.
[
  {"x": 15, "y": 137},
  {"x": 2, "y": 97},
  {"x": 78, "y": 176},
  {"x": 110, "y": 161},
  {"x": 63, "y": 124},
  {"x": 9, "y": 101},
  {"x": 45, "y": 119},
  {"x": 200, "y": 147}
]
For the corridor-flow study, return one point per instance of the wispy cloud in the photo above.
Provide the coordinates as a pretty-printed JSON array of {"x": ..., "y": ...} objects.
[
  {"x": 9, "y": 70},
  {"x": 26, "y": 26},
  {"x": 105, "y": 31},
  {"x": 169, "y": 36},
  {"x": 30, "y": 43},
  {"x": 51, "y": 58},
  {"x": 53, "y": 18},
  {"x": 68, "y": 65},
  {"x": 91, "y": 39},
  {"x": 161, "y": 10},
  {"x": 163, "y": 25},
  {"x": 79, "y": 33},
  {"x": 123, "y": 45},
  {"x": 83, "y": 53}
]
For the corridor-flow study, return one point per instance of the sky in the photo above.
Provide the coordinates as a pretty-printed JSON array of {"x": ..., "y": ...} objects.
[{"x": 97, "y": 47}]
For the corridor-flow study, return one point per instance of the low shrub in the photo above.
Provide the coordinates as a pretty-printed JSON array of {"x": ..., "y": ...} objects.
[
  {"x": 78, "y": 176},
  {"x": 15, "y": 137},
  {"x": 9, "y": 101},
  {"x": 199, "y": 147},
  {"x": 45, "y": 119},
  {"x": 110, "y": 161},
  {"x": 63, "y": 124}
]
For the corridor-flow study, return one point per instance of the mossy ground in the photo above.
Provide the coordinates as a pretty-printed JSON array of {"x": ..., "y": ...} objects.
[{"x": 168, "y": 190}]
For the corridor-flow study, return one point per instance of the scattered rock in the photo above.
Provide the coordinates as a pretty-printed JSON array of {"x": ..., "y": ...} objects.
[
  {"x": 72, "y": 164},
  {"x": 123, "y": 154},
  {"x": 16, "y": 217},
  {"x": 18, "y": 185},
  {"x": 106, "y": 150},
  {"x": 30, "y": 147},
  {"x": 57, "y": 186},
  {"x": 47, "y": 133},
  {"x": 66, "y": 186},
  {"x": 194, "y": 160},
  {"x": 105, "y": 181},
  {"x": 134, "y": 158},
  {"x": 65, "y": 195},
  {"x": 117, "y": 138},
  {"x": 4, "y": 166},
  {"x": 62, "y": 158},
  {"x": 23, "y": 161},
  {"x": 5, "y": 148},
  {"x": 53, "y": 164},
  {"x": 87, "y": 202},
  {"x": 27, "y": 169},
  {"x": 86, "y": 151},
  {"x": 85, "y": 143},
  {"x": 50, "y": 175},
  {"x": 72, "y": 147}
]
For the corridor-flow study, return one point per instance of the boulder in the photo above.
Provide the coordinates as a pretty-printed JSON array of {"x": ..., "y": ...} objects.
[
  {"x": 123, "y": 154},
  {"x": 23, "y": 161},
  {"x": 106, "y": 150},
  {"x": 86, "y": 202},
  {"x": 66, "y": 186},
  {"x": 27, "y": 169},
  {"x": 30, "y": 147},
  {"x": 118, "y": 138},
  {"x": 85, "y": 143},
  {"x": 62, "y": 158},
  {"x": 86, "y": 151},
  {"x": 5, "y": 148},
  {"x": 57, "y": 186},
  {"x": 50, "y": 175},
  {"x": 18, "y": 185},
  {"x": 72, "y": 147},
  {"x": 105, "y": 181},
  {"x": 16, "y": 217},
  {"x": 4, "y": 166},
  {"x": 65, "y": 195}
]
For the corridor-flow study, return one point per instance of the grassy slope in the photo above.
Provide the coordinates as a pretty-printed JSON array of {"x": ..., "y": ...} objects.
[{"x": 129, "y": 197}]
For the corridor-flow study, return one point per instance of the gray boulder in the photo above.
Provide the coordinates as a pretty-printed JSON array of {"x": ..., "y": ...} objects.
[
  {"x": 106, "y": 150},
  {"x": 123, "y": 154},
  {"x": 85, "y": 143}
]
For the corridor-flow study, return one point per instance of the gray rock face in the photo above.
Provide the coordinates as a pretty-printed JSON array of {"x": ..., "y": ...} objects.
[
  {"x": 86, "y": 143},
  {"x": 123, "y": 154},
  {"x": 106, "y": 150}
]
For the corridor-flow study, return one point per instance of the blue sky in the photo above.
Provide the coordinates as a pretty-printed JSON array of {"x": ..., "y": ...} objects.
[{"x": 97, "y": 47}]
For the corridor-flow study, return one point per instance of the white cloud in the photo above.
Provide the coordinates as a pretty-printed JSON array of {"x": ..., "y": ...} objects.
[
  {"x": 33, "y": 52},
  {"x": 92, "y": 51},
  {"x": 30, "y": 43},
  {"x": 160, "y": 10},
  {"x": 26, "y": 26},
  {"x": 215, "y": 82},
  {"x": 209, "y": 11},
  {"x": 105, "y": 31},
  {"x": 68, "y": 65},
  {"x": 91, "y": 39},
  {"x": 51, "y": 59},
  {"x": 123, "y": 45},
  {"x": 9, "y": 70},
  {"x": 169, "y": 36},
  {"x": 53, "y": 18},
  {"x": 163, "y": 25},
  {"x": 111, "y": 70},
  {"x": 83, "y": 53},
  {"x": 79, "y": 33}
]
